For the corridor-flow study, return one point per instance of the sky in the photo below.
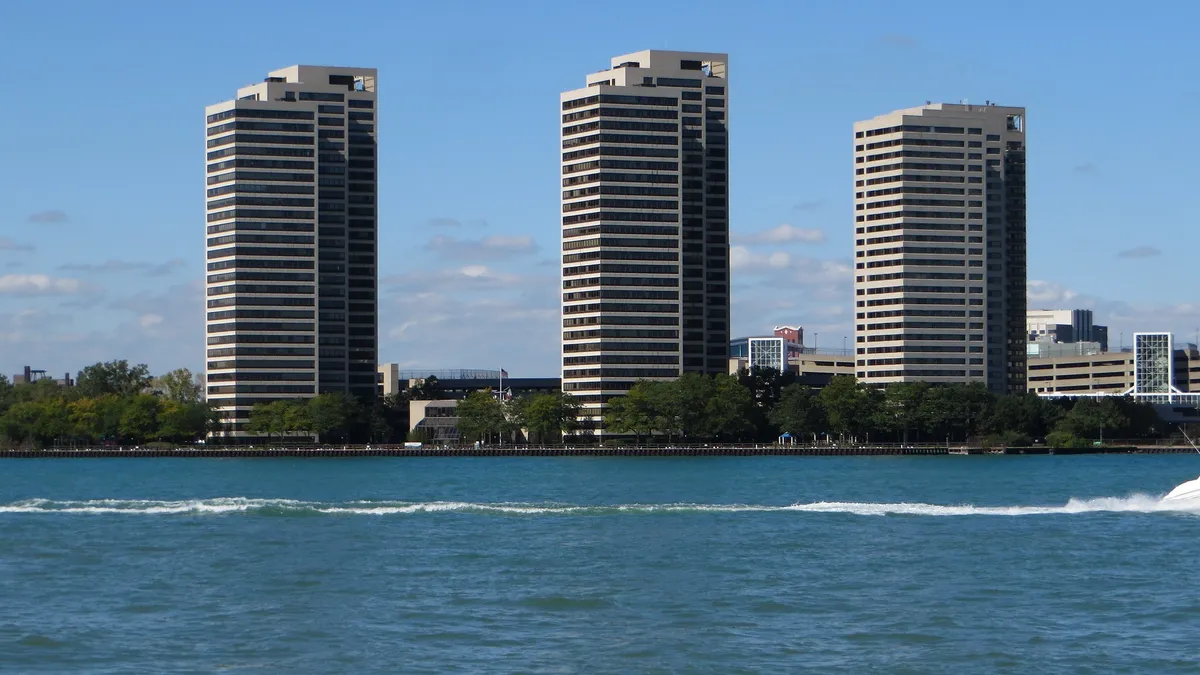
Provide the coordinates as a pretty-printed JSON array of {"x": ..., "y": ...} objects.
[{"x": 102, "y": 171}]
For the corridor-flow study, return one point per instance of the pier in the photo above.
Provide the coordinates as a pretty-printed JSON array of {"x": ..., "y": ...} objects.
[{"x": 710, "y": 450}]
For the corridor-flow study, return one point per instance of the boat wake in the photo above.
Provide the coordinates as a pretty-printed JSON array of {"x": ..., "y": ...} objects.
[{"x": 1137, "y": 503}]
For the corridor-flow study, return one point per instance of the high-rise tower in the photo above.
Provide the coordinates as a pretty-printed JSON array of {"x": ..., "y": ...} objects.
[
  {"x": 292, "y": 238},
  {"x": 939, "y": 199},
  {"x": 645, "y": 224}
]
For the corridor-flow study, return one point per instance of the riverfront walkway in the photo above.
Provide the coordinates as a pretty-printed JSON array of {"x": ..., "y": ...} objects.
[{"x": 572, "y": 451}]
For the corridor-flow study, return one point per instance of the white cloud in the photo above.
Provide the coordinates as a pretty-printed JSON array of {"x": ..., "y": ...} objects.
[
  {"x": 10, "y": 245},
  {"x": 495, "y": 247},
  {"x": 782, "y": 234},
  {"x": 38, "y": 284},
  {"x": 53, "y": 216},
  {"x": 1140, "y": 252},
  {"x": 117, "y": 266},
  {"x": 1048, "y": 295}
]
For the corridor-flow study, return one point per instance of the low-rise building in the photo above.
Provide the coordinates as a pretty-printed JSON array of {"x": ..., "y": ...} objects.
[
  {"x": 31, "y": 375},
  {"x": 1154, "y": 372}
]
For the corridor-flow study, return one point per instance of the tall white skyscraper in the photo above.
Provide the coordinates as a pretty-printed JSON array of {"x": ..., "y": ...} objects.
[
  {"x": 939, "y": 199},
  {"x": 292, "y": 238},
  {"x": 645, "y": 224}
]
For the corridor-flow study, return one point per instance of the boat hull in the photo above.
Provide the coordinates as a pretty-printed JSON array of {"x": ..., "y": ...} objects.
[{"x": 1188, "y": 491}]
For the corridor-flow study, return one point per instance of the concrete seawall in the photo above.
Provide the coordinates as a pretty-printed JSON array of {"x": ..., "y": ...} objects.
[{"x": 569, "y": 451}]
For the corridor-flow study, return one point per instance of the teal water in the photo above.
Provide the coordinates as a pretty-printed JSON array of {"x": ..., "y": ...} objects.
[{"x": 613, "y": 565}]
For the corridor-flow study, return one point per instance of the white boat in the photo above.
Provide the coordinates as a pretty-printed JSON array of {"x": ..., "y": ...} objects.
[{"x": 1186, "y": 492}]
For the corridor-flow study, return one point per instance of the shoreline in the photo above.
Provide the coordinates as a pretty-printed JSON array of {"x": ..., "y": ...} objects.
[{"x": 576, "y": 451}]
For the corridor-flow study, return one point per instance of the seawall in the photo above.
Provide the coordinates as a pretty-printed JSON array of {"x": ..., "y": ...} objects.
[{"x": 569, "y": 451}]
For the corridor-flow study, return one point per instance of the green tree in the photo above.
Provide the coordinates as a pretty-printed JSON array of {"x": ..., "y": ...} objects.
[
  {"x": 331, "y": 414},
  {"x": 548, "y": 416},
  {"x": 633, "y": 413},
  {"x": 183, "y": 422},
  {"x": 683, "y": 403},
  {"x": 848, "y": 405},
  {"x": 38, "y": 423},
  {"x": 729, "y": 410},
  {"x": 1090, "y": 417},
  {"x": 139, "y": 418},
  {"x": 389, "y": 418},
  {"x": 481, "y": 417},
  {"x": 113, "y": 377},
  {"x": 901, "y": 408},
  {"x": 424, "y": 390},
  {"x": 798, "y": 412},
  {"x": 179, "y": 385},
  {"x": 5, "y": 394}
]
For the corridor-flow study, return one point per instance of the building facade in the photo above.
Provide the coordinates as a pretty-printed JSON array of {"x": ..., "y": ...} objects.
[
  {"x": 292, "y": 238},
  {"x": 645, "y": 224},
  {"x": 939, "y": 199},
  {"x": 1065, "y": 326}
]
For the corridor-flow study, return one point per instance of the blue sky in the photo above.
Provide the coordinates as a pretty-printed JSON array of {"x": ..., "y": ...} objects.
[{"x": 101, "y": 216}]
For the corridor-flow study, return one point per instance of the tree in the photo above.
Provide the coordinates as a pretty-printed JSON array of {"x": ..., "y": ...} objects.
[
  {"x": 682, "y": 404},
  {"x": 728, "y": 411},
  {"x": 5, "y": 393},
  {"x": 900, "y": 411},
  {"x": 481, "y": 417},
  {"x": 847, "y": 404},
  {"x": 633, "y": 413},
  {"x": 179, "y": 385},
  {"x": 183, "y": 422},
  {"x": 547, "y": 416},
  {"x": 113, "y": 377},
  {"x": 39, "y": 423},
  {"x": 798, "y": 411},
  {"x": 139, "y": 418},
  {"x": 1089, "y": 418},
  {"x": 389, "y": 418},
  {"x": 424, "y": 390},
  {"x": 331, "y": 412}
]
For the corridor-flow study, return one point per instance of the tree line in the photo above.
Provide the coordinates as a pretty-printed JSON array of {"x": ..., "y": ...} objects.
[
  {"x": 762, "y": 404},
  {"x": 111, "y": 403}
]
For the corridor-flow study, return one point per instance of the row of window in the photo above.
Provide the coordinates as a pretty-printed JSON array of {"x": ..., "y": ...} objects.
[
  {"x": 620, "y": 320},
  {"x": 266, "y": 139},
  {"x": 260, "y": 213},
  {"x": 260, "y": 351},
  {"x": 260, "y": 126},
  {"x": 262, "y": 164},
  {"x": 251, "y": 301},
  {"x": 620, "y": 372},
  {"x": 620, "y": 112},
  {"x": 260, "y": 151},
  {"x": 260, "y": 188},
  {"x": 621, "y": 333},
  {"x": 619, "y": 125},
  {"x": 260, "y": 114},
  {"x": 614, "y": 294},
  {"x": 262, "y": 176},
  {"x": 616, "y": 242},
  {"x": 917, "y": 128},
  {"x": 645, "y": 217},
  {"x": 635, "y": 190},
  {"x": 612, "y": 177},
  {"x": 615, "y": 268},
  {"x": 621, "y": 281},
  {"x": 622, "y": 347},
  {"x": 620, "y": 99},
  {"x": 926, "y": 337}
]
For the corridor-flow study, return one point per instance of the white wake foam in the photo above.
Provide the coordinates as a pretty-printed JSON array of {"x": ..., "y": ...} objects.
[{"x": 1137, "y": 503}]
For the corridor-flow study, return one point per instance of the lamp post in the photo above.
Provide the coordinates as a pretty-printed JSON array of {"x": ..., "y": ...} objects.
[{"x": 844, "y": 352}]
